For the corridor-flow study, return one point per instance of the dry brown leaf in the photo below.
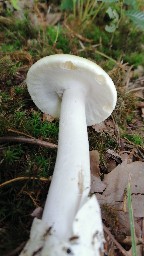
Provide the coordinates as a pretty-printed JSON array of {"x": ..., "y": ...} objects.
[
  {"x": 112, "y": 159},
  {"x": 111, "y": 164},
  {"x": 126, "y": 156},
  {"x": 124, "y": 224},
  {"x": 97, "y": 185},
  {"x": 101, "y": 127},
  {"x": 117, "y": 182},
  {"x": 139, "y": 250},
  {"x": 107, "y": 126},
  {"x": 47, "y": 117},
  {"x": 94, "y": 163}
]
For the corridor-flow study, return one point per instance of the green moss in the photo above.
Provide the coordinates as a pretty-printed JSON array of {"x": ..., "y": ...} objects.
[
  {"x": 135, "y": 138},
  {"x": 10, "y": 154},
  {"x": 8, "y": 68},
  {"x": 101, "y": 141},
  {"x": 129, "y": 117},
  {"x": 57, "y": 36},
  {"x": 97, "y": 34},
  {"x": 108, "y": 65},
  {"x": 42, "y": 164},
  {"x": 16, "y": 35},
  {"x": 135, "y": 59},
  {"x": 19, "y": 90},
  {"x": 9, "y": 47},
  {"x": 37, "y": 128}
]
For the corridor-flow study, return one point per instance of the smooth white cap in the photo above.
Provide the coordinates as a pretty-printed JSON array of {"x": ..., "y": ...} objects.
[{"x": 49, "y": 77}]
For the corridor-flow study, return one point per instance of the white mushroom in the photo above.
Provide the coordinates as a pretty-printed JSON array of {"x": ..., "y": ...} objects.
[{"x": 82, "y": 94}]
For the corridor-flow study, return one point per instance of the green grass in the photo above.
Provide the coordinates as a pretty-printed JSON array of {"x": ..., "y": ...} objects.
[{"x": 135, "y": 59}]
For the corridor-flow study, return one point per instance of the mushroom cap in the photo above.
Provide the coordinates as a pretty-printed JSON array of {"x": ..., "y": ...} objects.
[{"x": 49, "y": 77}]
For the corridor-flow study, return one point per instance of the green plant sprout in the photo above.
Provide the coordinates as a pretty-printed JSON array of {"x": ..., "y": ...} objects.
[
  {"x": 12, "y": 154},
  {"x": 15, "y": 4},
  {"x": 87, "y": 10},
  {"x": 83, "y": 10}
]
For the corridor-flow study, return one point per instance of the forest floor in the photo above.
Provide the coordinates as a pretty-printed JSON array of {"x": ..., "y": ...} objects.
[{"x": 29, "y": 138}]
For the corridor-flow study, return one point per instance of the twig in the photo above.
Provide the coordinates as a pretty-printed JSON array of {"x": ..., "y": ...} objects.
[
  {"x": 117, "y": 132},
  {"x": 24, "y": 178},
  {"x": 128, "y": 77},
  {"x": 28, "y": 140},
  {"x": 88, "y": 48},
  {"x": 92, "y": 48},
  {"x": 106, "y": 56},
  {"x": 22, "y": 133},
  {"x": 135, "y": 89},
  {"x": 77, "y": 35},
  {"x": 31, "y": 197},
  {"x": 115, "y": 241}
]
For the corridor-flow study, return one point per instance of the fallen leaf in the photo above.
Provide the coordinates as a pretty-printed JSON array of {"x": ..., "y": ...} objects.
[
  {"x": 117, "y": 181},
  {"x": 126, "y": 156},
  {"x": 119, "y": 223},
  {"x": 47, "y": 117},
  {"x": 94, "y": 163},
  {"x": 111, "y": 164},
  {"x": 101, "y": 127},
  {"x": 97, "y": 186},
  {"x": 112, "y": 159},
  {"x": 107, "y": 126},
  {"x": 124, "y": 223},
  {"x": 139, "y": 250}
]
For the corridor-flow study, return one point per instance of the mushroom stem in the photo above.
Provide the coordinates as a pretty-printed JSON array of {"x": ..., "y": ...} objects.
[{"x": 71, "y": 179}]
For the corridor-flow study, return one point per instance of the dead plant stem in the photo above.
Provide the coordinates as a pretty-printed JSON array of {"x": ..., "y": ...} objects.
[
  {"x": 125, "y": 253},
  {"x": 24, "y": 178},
  {"x": 28, "y": 140}
]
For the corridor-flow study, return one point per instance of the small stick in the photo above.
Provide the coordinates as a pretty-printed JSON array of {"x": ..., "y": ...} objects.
[
  {"x": 28, "y": 140},
  {"x": 24, "y": 178},
  {"x": 77, "y": 35},
  {"x": 135, "y": 89},
  {"x": 22, "y": 133},
  {"x": 115, "y": 241},
  {"x": 117, "y": 132}
]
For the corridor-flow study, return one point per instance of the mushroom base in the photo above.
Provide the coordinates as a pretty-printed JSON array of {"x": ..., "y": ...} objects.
[{"x": 86, "y": 240}]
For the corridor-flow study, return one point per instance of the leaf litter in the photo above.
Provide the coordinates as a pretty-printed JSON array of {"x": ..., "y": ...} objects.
[
  {"x": 120, "y": 166},
  {"x": 111, "y": 193}
]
